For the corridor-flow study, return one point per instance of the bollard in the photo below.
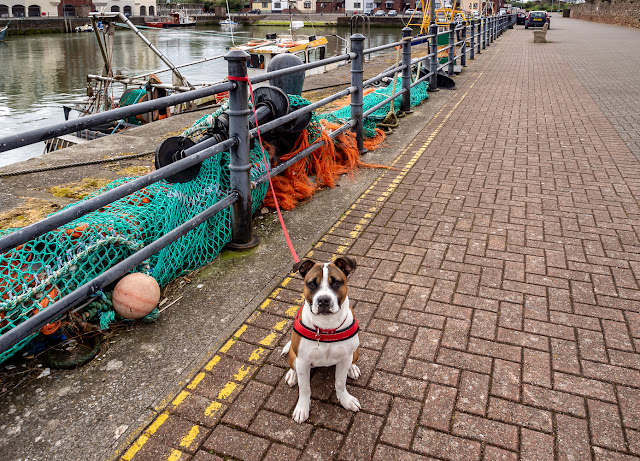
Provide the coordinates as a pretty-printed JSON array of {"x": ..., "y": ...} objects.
[
  {"x": 357, "y": 70},
  {"x": 463, "y": 57},
  {"x": 242, "y": 237},
  {"x": 451, "y": 50},
  {"x": 472, "y": 43},
  {"x": 433, "y": 60},
  {"x": 405, "y": 106}
]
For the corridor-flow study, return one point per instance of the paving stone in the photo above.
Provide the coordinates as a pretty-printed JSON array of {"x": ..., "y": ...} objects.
[
  {"x": 231, "y": 442},
  {"x": 360, "y": 440},
  {"x": 324, "y": 444},
  {"x": 281, "y": 428},
  {"x": 401, "y": 422},
  {"x": 445, "y": 446}
]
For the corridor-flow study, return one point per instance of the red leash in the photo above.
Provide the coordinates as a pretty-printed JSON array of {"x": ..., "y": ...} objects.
[{"x": 266, "y": 165}]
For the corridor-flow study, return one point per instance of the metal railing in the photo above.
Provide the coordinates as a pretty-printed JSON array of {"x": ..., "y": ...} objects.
[{"x": 474, "y": 36}]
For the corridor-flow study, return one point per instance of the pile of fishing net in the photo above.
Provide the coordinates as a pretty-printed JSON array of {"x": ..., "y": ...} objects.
[{"x": 43, "y": 270}]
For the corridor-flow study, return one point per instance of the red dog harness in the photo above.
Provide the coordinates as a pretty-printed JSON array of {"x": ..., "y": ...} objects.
[{"x": 322, "y": 335}]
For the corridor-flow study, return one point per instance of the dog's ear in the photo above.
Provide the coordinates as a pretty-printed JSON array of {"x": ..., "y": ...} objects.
[
  {"x": 303, "y": 266},
  {"x": 345, "y": 264}
]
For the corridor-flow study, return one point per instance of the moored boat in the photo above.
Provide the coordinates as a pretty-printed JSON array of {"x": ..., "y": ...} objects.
[
  {"x": 3, "y": 32},
  {"x": 308, "y": 48},
  {"x": 175, "y": 19}
]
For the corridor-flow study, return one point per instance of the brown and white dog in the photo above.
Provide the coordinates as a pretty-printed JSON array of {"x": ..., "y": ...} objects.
[{"x": 325, "y": 333}]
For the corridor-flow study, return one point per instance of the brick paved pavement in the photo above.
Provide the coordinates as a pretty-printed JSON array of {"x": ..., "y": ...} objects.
[
  {"x": 497, "y": 291},
  {"x": 607, "y": 62}
]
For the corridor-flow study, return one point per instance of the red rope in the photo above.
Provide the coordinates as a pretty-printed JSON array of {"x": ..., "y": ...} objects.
[{"x": 266, "y": 164}]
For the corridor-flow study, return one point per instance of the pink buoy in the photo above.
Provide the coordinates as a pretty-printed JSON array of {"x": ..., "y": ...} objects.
[{"x": 135, "y": 296}]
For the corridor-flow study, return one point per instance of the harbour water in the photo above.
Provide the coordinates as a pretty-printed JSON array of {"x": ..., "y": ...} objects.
[{"x": 43, "y": 73}]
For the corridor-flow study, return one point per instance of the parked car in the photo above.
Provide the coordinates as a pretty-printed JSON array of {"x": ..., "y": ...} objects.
[
  {"x": 392, "y": 13},
  {"x": 521, "y": 18},
  {"x": 537, "y": 19},
  {"x": 368, "y": 12},
  {"x": 380, "y": 13},
  {"x": 256, "y": 11},
  {"x": 409, "y": 12}
]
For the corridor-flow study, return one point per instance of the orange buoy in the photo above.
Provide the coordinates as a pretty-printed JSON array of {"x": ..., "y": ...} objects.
[{"x": 135, "y": 296}]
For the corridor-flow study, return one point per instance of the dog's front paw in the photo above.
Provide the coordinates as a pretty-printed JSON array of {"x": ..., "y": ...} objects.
[
  {"x": 354, "y": 371},
  {"x": 291, "y": 378},
  {"x": 301, "y": 413},
  {"x": 349, "y": 401}
]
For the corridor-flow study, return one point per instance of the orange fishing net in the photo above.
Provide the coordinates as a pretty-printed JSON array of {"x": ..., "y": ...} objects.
[{"x": 334, "y": 158}]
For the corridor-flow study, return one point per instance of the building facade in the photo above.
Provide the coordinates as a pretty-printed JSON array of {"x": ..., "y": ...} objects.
[{"x": 73, "y": 8}]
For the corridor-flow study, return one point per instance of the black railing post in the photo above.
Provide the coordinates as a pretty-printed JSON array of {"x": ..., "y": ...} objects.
[
  {"x": 433, "y": 60},
  {"x": 472, "y": 43},
  {"x": 483, "y": 33},
  {"x": 357, "y": 71},
  {"x": 452, "y": 49},
  {"x": 405, "y": 106},
  {"x": 240, "y": 163},
  {"x": 463, "y": 57},
  {"x": 488, "y": 32}
]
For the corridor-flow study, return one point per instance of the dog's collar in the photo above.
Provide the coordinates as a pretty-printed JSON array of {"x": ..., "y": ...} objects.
[{"x": 322, "y": 335}]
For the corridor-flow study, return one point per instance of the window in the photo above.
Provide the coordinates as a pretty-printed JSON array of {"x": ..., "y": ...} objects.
[
  {"x": 127, "y": 10},
  {"x": 356, "y": 5},
  {"x": 17, "y": 11},
  {"x": 143, "y": 11},
  {"x": 301, "y": 55},
  {"x": 307, "y": 5},
  {"x": 368, "y": 5},
  {"x": 316, "y": 54},
  {"x": 34, "y": 11},
  {"x": 256, "y": 61},
  {"x": 152, "y": 10},
  {"x": 277, "y": 6},
  {"x": 265, "y": 5}
]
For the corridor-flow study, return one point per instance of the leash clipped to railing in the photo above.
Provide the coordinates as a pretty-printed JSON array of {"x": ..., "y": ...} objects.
[{"x": 266, "y": 164}]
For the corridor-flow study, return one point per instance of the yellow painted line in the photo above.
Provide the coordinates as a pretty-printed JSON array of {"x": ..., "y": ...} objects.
[
  {"x": 175, "y": 455},
  {"x": 255, "y": 355},
  {"x": 286, "y": 281},
  {"x": 276, "y": 292},
  {"x": 280, "y": 325},
  {"x": 341, "y": 249},
  {"x": 291, "y": 312},
  {"x": 188, "y": 439},
  {"x": 227, "y": 390},
  {"x": 242, "y": 372},
  {"x": 227, "y": 345},
  {"x": 212, "y": 363},
  {"x": 243, "y": 328},
  {"x": 194, "y": 383},
  {"x": 180, "y": 398},
  {"x": 213, "y": 408},
  {"x": 135, "y": 448},
  {"x": 159, "y": 421},
  {"x": 269, "y": 339},
  {"x": 265, "y": 303}
]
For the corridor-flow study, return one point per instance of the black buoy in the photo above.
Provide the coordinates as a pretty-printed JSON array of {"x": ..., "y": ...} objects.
[{"x": 292, "y": 83}]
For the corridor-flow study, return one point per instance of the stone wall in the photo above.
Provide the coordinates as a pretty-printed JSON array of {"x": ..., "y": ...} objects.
[{"x": 621, "y": 12}]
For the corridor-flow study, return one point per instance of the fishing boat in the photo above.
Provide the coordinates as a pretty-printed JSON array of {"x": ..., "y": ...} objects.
[
  {"x": 309, "y": 48},
  {"x": 175, "y": 19},
  {"x": 3, "y": 32}
]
